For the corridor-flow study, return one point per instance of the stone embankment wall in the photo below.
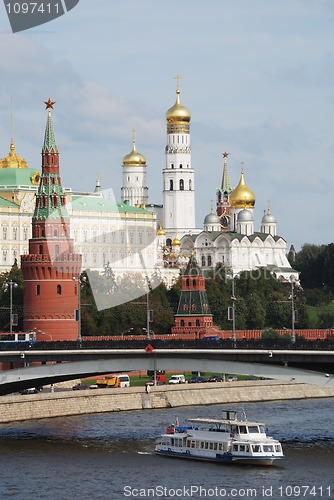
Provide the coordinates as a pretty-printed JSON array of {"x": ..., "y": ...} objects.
[{"x": 44, "y": 405}]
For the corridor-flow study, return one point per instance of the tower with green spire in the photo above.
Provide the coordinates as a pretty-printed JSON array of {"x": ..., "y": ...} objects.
[
  {"x": 193, "y": 312},
  {"x": 51, "y": 269},
  {"x": 223, "y": 205}
]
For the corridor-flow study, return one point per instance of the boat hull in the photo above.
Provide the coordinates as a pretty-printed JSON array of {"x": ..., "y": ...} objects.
[{"x": 225, "y": 458}]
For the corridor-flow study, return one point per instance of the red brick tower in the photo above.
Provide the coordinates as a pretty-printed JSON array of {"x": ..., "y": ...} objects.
[
  {"x": 193, "y": 312},
  {"x": 51, "y": 269}
]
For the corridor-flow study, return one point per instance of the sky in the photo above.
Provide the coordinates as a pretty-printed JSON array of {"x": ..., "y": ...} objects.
[{"x": 257, "y": 76}]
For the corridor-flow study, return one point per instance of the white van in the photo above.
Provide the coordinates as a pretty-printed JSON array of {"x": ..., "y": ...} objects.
[
  {"x": 177, "y": 379},
  {"x": 124, "y": 380}
]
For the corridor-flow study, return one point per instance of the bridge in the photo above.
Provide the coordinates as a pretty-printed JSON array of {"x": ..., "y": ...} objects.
[{"x": 43, "y": 367}]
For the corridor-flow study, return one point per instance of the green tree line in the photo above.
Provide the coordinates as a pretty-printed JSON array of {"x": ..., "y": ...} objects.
[{"x": 261, "y": 302}]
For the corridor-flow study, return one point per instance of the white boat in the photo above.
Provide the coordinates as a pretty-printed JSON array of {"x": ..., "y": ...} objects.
[{"x": 232, "y": 439}]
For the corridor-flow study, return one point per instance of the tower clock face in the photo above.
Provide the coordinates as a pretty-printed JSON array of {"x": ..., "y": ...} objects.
[{"x": 225, "y": 221}]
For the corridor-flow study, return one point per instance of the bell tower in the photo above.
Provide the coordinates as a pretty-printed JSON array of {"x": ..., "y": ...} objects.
[
  {"x": 178, "y": 174},
  {"x": 51, "y": 269}
]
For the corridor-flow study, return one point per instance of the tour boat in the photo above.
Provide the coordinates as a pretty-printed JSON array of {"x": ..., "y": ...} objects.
[{"x": 231, "y": 439}]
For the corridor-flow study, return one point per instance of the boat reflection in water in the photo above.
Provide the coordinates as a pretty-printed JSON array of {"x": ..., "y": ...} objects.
[{"x": 232, "y": 439}]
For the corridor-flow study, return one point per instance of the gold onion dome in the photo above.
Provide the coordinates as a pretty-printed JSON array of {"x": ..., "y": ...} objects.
[
  {"x": 134, "y": 158},
  {"x": 242, "y": 196},
  {"x": 161, "y": 232},
  {"x": 13, "y": 160},
  {"x": 176, "y": 242},
  {"x": 178, "y": 113}
]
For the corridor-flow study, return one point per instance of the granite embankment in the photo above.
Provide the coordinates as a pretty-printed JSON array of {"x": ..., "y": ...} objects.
[{"x": 44, "y": 405}]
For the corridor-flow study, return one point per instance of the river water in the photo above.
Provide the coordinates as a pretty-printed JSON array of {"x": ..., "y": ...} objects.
[{"x": 110, "y": 456}]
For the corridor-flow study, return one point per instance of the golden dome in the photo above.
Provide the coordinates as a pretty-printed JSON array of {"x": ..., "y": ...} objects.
[
  {"x": 13, "y": 160},
  {"x": 134, "y": 158},
  {"x": 161, "y": 232},
  {"x": 178, "y": 113},
  {"x": 242, "y": 196},
  {"x": 176, "y": 242}
]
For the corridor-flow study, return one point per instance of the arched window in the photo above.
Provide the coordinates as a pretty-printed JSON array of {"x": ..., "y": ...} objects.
[
  {"x": 182, "y": 322},
  {"x": 209, "y": 260},
  {"x": 197, "y": 322},
  {"x": 181, "y": 185},
  {"x": 180, "y": 165},
  {"x": 190, "y": 185},
  {"x": 40, "y": 249},
  {"x": 55, "y": 232},
  {"x": 203, "y": 260},
  {"x": 38, "y": 289},
  {"x": 171, "y": 186},
  {"x": 187, "y": 282},
  {"x": 58, "y": 289},
  {"x": 194, "y": 282}
]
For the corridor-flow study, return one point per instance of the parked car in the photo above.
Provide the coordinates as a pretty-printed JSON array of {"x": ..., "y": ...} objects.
[
  {"x": 177, "y": 379},
  {"x": 232, "y": 378},
  {"x": 216, "y": 378},
  {"x": 31, "y": 390},
  {"x": 93, "y": 386},
  {"x": 197, "y": 380},
  {"x": 159, "y": 379},
  {"x": 79, "y": 387}
]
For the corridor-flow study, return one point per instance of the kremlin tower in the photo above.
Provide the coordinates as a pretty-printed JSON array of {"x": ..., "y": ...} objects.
[
  {"x": 178, "y": 174},
  {"x": 223, "y": 204},
  {"x": 51, "y": 269},
  {"x": 193, "y": 312}
]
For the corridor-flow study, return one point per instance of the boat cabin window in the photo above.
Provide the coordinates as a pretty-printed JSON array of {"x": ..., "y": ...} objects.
[
  {"x": 242, "y": 429},
  {"x": 235, "y": 447},
  {"x": 278, "y": 448},
  {"x": 256, "y": 448},
  {"x": 253, "y": 429},
  {"x": 268, "y": 448},
  {"x": 262, "y": 429}
]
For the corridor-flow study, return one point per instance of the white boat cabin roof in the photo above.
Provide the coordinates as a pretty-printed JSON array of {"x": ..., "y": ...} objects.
[{"x": 222, "y": 421}]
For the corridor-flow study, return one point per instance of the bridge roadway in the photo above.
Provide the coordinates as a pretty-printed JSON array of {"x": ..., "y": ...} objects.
[{"x": 52, "y": 366}]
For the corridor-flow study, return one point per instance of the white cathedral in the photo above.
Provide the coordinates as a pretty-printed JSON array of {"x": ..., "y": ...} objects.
[{"x": 137, "y": 233}]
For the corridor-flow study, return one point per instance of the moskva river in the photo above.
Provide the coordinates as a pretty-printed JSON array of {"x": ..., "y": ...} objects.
[{"x": 111, "y": 456}]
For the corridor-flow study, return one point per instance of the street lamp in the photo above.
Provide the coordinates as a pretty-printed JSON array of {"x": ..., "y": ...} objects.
[
  {"x": 78, "y": 315},
  {"x": 231, "y": 315},
  {"x": 293, "y": 336},
  {"x": 43, "y": 333},
  {"x": 10, "y": 284}
]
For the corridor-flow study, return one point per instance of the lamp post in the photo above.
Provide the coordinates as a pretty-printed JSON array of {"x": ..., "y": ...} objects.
[
  {"x": 10, "y": 284},
  {"x": 43, "y": 333},
  {"x": 148, "y": 336},
  {"x": 232, "y": 309},
  {"x": 293, "y": 336},
  {"x": 78, "y": 316}
]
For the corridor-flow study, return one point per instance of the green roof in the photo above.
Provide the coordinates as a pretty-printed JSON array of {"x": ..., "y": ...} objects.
[
  {"x": 17, "y": 177},
  {"x": 100, "y": 204},
  {"x": 6, "y": 203},
  {"x": 49, "y": 137}
]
